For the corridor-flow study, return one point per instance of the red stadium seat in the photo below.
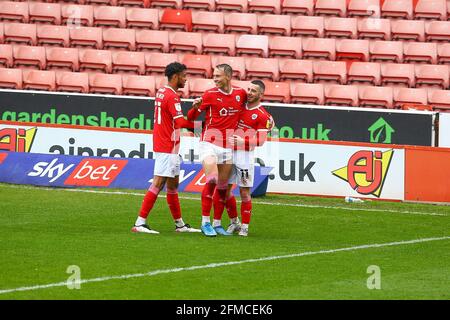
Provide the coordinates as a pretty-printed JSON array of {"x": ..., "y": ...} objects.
[
  {"x": 198, "y": 65},
  {"x": 6, "y": 55},
  {"x": 214, "y": 43},
  {"x": 371, "y": 28},
  {"x": 408, "y": 30},
  {"x": 95, "y": 60},
  {"x": 340, "y": 28},
  {"x": 252, "y": 45},
  {"x": 232, "y": 5},
  {"x": 142, "y": 18},
  {"x": 376, "y": 97},
  {"x": 437, "y": 31},
  {"x": 265, "y": 6},
  {"x": 307, "y": 93},
  {"x": 174, "y": 4},
  {"x": 397, "y": 9},
  {"x": 101, "y": 2},
  {"x": 108, "y": 16},
  {"x": 161, "y": 81},
  {"x": 304, "y": 7},
  {"x": 44, "y": 12},
  {"x": 138, "y": 85},
  {"x": 11, "y": 78},
  {"x": 27, "y": 56},
  {"x": 207, "y": 21},
  {"x": 241, "y": 84},
  {"x": 276, "y": 92},
  {"x": 316, "y": 48},
  {"x": 86, "y": 37},
  {"x": 352, "y": 50},
  {"x": 386, "y": 51},
  {"x": 236, "y": 63},
  {"x": 262, "y": 68},
  {"x": 14, "y": 11},
  {"x": 397, "y": 74},
  {"x": 208, "y": 5},
  {"x": 198, "y": 86},
  {"x": 176, "y": 19},
  {"x": 417, "y": 52},
  {"x": 39, "y": 80},
  {"x": 330, "y": 71},
  {"x": 307, "y": 26},
  {"x": 76, "y": 15},
  {"x": 341, "y": 95},
  {"x": 432, "y": 75},
  {"x": 62, "y": 58},
  {"x": 330, "y": 8},
  {"x": 444, "y": 53},
  {"x": 296, "y": 70},
  {"x": 189, "y": 42},
  {"x": 20, "y": 33},
  {"x": 134, "y": 3},
  {"x": 404, "y": 96},
  {"x": 240, "y": 23},
  {"x": 105, "y": 83},
  {"x": 274, "y": 24},
  {"x": 430, "y": 9},
  {"x": 364, "y": 8},
  {"x": 130, "y": 62},
  {"x": 2, "y": 33},
  {"x": 439, "y": 99},
  {"x": 152, "y": 40},
  {"x": 364, "y": 72},
  {"x": 156, "y": 62},
  {"x": 72, "y": 82},
  {"x": 116, "y": 38},
  {"x": 290, "y": 47},
  {"x": 52, "y": 35}
]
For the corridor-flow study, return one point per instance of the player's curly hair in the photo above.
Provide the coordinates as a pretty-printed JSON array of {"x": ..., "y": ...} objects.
[{"x": 174, "y": 68}]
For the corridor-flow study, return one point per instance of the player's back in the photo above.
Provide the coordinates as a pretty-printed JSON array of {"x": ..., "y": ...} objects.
[{"x": 167, "y": 108}]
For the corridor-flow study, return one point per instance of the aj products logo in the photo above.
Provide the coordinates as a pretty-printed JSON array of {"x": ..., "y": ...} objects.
[
  {"x": 366, "y": 171},
  {"x": 19, "y": 140}
]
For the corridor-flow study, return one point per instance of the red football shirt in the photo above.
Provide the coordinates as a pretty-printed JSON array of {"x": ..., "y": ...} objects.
[
  {"x": 166, "y": 138},
  {"x": 253, "y": 120},
  {"x": 222, "y": 114}
]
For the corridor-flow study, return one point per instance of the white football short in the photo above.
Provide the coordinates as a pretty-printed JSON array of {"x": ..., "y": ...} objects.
[
  {"x": 222, "y": 155},
  {"x": 243, "y": 168},
  {"x": 167, "y": 164}
]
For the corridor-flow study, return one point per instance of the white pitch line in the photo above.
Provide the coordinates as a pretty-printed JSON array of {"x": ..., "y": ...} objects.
[
  {"x": 254, "y": 202},
  {"x": 222, "y": 264}
]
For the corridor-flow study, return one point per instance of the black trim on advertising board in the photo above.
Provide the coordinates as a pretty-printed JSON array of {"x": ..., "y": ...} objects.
[{"x": 304, "y": 122}]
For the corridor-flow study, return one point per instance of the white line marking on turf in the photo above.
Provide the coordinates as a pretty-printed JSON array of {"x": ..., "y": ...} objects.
[
  {"x": 229, "y": 263},
  {"x": 254, "y": 202}
]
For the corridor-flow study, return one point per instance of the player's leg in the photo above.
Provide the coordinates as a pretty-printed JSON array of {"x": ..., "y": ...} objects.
[
  {"x": 210, "y": 170},
  {"x": 231, "y": 208},
  {"x": 174, "y": 206},
  {"x": 220, "y": 196},
  {"x": 246, "y": 210},
  {"x": 147, "y": 205}
]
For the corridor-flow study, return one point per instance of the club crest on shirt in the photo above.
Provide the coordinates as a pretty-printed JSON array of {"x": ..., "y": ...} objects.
[
  {"x": 238, "y": 98},
  {"x": 254, "y": 116}
]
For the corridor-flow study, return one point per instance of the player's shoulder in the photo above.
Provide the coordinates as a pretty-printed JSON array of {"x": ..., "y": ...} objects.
[{"x": 168, "y": 93}]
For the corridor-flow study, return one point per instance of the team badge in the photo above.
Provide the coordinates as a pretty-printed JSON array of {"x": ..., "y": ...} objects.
[
  {"x": 254, "y": 116},
  {"x": 238, "y": 98}
]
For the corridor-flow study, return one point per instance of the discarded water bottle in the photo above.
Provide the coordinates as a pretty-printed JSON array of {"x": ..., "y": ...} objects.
[{"x": 353, "y": 200}]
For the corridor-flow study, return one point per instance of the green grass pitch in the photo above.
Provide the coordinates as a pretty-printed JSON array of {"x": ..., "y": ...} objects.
[{"x": 293, "y": 251}]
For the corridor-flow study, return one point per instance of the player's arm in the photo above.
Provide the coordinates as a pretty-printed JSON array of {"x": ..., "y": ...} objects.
[
  {"x": 177, "y": 113},
  {"x": 198, "y": 106}
]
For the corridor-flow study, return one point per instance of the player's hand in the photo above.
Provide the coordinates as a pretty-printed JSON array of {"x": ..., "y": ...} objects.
[
  {"x": 197, "y": 102},
  {"x": 236, "y": 141}
]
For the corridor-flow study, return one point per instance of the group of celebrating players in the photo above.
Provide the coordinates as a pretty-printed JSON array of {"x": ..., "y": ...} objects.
[{"x": 235, "y": 123}]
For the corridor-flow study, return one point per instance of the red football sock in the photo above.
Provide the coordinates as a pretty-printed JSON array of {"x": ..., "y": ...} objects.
[
  {"x": 231, "y": 207},
  {"x": 174, "y": 203},
  {"x": 246, "y": 210},
  {"x": 149, "y": 201},
  {"x": 207, "y": 194},
  {"x": 219, "y": 199}
]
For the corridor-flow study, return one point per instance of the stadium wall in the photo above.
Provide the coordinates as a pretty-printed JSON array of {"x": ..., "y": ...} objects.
[
  {"x": 372, "y": 171},
  {"x": 322, "y": 123}
]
